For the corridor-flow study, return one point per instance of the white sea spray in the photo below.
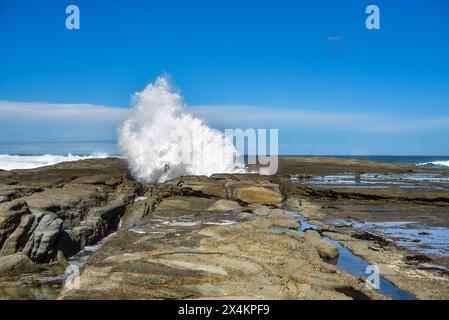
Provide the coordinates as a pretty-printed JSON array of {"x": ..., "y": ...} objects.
[{"x": 161, "y": 140}]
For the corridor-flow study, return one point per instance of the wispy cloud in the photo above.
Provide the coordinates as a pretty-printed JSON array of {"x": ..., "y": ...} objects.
[
  {"x": 20, "y": 121},
  {"x": 60, "y": 111},
  {"x": 246, "y": 116},
  {"x": 79, "y": 122}
]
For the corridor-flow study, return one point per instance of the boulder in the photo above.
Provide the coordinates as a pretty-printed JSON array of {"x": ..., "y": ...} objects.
[
  {"x": 16, "y": 264},
  {"x": 17, "y": 240},
  {"x": 110, "y": 214},
  {"x": 327, "y": 251},
  {"x": 10, "y": 217},
  {"x": 269, "y": 195},
  {"x": 99, "y": 228},
  {"x": 85, "y": 234},
  {"x": 134, "y": 212},
  {"x": 194, "y": 186},
  {"x": 40, "y": 246}
]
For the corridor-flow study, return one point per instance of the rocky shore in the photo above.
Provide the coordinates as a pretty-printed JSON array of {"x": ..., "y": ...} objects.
[
  {"x": 394, "y": 216},
  {"x": 224, "y": 236}
]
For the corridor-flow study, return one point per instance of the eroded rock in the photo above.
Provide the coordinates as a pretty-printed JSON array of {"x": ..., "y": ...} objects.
[
  {"x": 269, "y": 195},
  {"x": 201, "y": 247},
  {"x": 16, "y": 264},
  {"x": 11, "y": 214},
  {"x": 40, "y": 246},
  {"x": 17, "y": 240},
  {"x": 62, "y": 207}
]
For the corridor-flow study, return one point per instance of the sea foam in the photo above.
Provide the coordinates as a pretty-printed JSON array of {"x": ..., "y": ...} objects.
[
  {"x": 12, "y": 162},
  {"x": 161, "y": 140},
  {"x": 444, "y": 163}
]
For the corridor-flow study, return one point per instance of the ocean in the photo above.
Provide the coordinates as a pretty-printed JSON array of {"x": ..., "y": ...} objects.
[
  {"x": 27, "y": 155},
  {"x": 35, "y": 160},
  {"x": 427, "y": 161}
]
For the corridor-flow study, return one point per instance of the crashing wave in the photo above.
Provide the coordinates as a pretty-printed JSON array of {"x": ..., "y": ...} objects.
[
  {"x": 161, "y": 140},
  {"x": 437, "y": 164}
]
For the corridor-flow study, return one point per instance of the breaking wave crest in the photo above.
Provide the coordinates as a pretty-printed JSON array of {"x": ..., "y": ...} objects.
[
  {"x": 12, "y": 162},
  {"x": 437, "y": 164},
  {"x": 161, "y": 140}
]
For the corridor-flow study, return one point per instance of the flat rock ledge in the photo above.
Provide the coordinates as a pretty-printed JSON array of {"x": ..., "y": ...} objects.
[{"x": 226, "y": 236}]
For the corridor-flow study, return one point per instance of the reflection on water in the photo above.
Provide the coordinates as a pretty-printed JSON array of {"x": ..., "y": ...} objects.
[
  {"x": 355, "y": 265},
  {"x": 44, "y": 285},
  {"x": 419, "y": 181},
  {"x": 408, "y": 234},
  {"x": 38, "y": 286}
]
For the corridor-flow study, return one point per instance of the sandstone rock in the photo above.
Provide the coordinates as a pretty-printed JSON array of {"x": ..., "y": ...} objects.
[
  {"x": 85, "y": 234},
  {"x": 176, "y": 205},
  {"x": 40, "y": 246},
  {"x": 327, "y": 251},
  {"x": 263, "y": 210},
  {"x": 269, "y": 195},
  {"x": 55, "y": 203},
  {"x": 17, "y": 240},
  {"x": 10, "y": 216},
  {"x": 15, "y": 264},
  {"x": 202, "y": 188},
  {"x": 293, "y": 204},
  {"x": 99, "y": 228},
  {"x": 181, "y": 260},
  {"x": 104, "y": 219},
  {"x": 60, "y": 199},
  {"x": 98, "y": 179},
  {"x": 312, "y": 235},
  {"x": 134, "y": 212},
  {"x": 224, "y": 205},
  {"x": 278, "y": 218},
  {"x": 194, "y": 237},
  {"x": 296, "y": 235},
  {"x": 65, "y": 172},
  {"x": 61, "y": 260}
]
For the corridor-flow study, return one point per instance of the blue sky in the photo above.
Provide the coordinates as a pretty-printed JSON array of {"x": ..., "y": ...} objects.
[{"x": 309, "y": 68}]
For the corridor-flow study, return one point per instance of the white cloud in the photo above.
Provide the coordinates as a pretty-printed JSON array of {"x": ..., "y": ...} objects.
[
  {"x": 60, "y": 111},
  {"x": 80, "y": 122},
  {"x": 20, "y": 121},
  {"x": 246, "y": 116}
]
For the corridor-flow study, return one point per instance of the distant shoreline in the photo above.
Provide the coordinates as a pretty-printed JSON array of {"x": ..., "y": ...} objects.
[{"x": 32, "y": 161}]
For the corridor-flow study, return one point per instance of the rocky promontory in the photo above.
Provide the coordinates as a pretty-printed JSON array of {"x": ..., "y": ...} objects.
[{"x": 50, "y": 213}]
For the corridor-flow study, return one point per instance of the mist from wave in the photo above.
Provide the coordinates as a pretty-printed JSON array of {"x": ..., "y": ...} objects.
[{"x": 152, "y": 138}]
